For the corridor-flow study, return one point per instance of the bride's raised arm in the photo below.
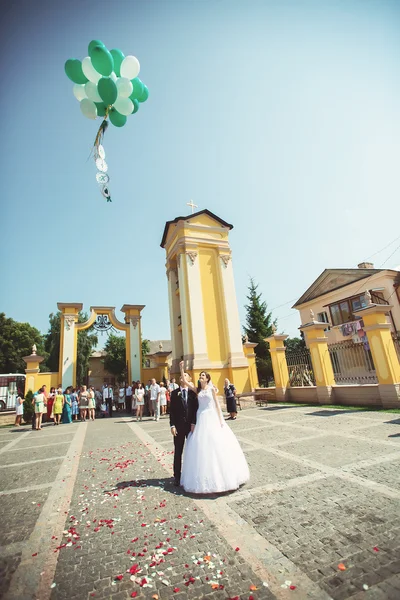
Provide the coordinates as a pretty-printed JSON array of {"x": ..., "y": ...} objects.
[{"x": 186, "y": 377}]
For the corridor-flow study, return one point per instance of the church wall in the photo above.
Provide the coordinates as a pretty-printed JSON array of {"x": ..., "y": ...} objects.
[{"x": 213, "y": 313}]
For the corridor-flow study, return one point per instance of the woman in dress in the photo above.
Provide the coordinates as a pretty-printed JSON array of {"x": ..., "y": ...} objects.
[
  {"x": 83, "y": 402},
  {"x": 214, "y": 461},
  {"x": 75, "y": 405},
  {"x": 163, "y": 399},
  {"x": 38, "y": 402},
  {"x": 230, "y": 396},
  {"x": 19, "y": 409},
  {"x": 121, "y": 398},
  {"x": 139, "y": 400},
  {"x": 91, "y": 404},
  {"x": 67, "y": 410},
  {"x": 50, "y": 402},
  {"x": 58, "y": 406}
]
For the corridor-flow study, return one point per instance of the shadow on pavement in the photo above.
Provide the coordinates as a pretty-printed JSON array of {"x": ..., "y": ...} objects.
[
  {"x": 272, "y": 408},
  {"x": 394, "y": 435},
  {"x": 394, "y": 422},
  {"x": 332, "y": 413},
  {"x": 167, "y": 484}
]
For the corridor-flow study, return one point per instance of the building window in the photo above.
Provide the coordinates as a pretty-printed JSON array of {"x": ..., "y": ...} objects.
[
  {"x": 343, "y": 311},
  {"x": 323, "y": 317}
]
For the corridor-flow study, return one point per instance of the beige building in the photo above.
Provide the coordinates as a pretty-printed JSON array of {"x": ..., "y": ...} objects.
[{"x": 337, "y": 294}]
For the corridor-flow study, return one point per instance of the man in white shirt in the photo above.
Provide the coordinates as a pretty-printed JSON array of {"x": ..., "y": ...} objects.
[
  {"x": 155, "y": 399},
  {"x": 108, "y": 398},
  {"x": 173, "y": 385}
]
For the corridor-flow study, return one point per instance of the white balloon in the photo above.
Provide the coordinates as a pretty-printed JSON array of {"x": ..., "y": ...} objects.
[
  {"x": 130, "y": 67},
  {"x": 113, "y": 77},
  {"x": 124, "y": 87},
  {"x": 79, "y": 91},
  {"x": 88, "y": 108},
  {"x": 91, "y": 92},
  {"x": 89, "y": 70},
  {"x": 124, "y": 106}
]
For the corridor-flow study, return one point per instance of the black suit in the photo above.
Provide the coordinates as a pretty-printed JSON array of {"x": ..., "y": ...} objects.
[{"x": 182, "y": 415}]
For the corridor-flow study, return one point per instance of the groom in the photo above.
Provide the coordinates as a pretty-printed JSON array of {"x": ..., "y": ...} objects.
[{"x": 182, "y": 420}]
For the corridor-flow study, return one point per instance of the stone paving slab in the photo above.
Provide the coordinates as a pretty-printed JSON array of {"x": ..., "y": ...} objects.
[
  {"x": 20, "y": 455},
  {"x": 385, "y": 473},
  {"x": 323, "y": 491},
  {"x": 382, "y": 432},
  {"x": 274, "y": 434},
  {"x": 12, "y": 477},
  {"x": 335, "y": 451},
  {"x": 267, "y": 468},
  {"x": 19, "y": 515}
]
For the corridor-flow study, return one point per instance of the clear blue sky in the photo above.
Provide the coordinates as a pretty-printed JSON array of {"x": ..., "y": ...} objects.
[{"x": 282, "y": 117}]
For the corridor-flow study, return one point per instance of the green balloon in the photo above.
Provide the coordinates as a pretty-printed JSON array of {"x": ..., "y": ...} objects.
[
  {"x": 137, "y": 88},
  {"x": 94, "y": 43},
  {"x": 101, "y": 109},
  {"x": 116, "y": 118},
  {"x": 107, "y": 90},
  {"x": 73, "y": 70},
  {"x": 135, "y": 106},
  {"x": 102, "y": 60},
  {"x": 118, "y": 57},
  {"x": 144, "y": 95}
]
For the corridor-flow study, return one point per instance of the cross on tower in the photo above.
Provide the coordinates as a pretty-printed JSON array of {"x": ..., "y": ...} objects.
[{"x": 192, "y": 205}]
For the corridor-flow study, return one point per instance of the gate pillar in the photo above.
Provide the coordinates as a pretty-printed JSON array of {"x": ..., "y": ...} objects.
[
  {"x": 133, "y": 341},
  {"x": 383, "y": 352}
]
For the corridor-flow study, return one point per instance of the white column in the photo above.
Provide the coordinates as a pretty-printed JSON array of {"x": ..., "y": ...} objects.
[
  {"x": 136, "y": 349},
  {"x": 173, "y": 315},
  {"x": 184, "y": 304},
  {"x": 196, "y": 311},
  {"x": 68, "y": 348},
  {"x": 235, "y": 352}
]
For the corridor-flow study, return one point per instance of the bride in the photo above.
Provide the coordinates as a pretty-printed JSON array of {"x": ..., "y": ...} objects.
[{"x": 214, "y": 461}]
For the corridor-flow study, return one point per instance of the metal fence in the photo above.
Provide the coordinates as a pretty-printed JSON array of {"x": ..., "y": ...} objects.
[
  {"x": 300, "y": 368},
  {"x": 352, "y": 363}
]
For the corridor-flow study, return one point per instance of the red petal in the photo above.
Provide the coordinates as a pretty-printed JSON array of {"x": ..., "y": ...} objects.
[
  {"x": 35, "y": 554},
  {"x": 375, "y": 548},
  {"x": 176, "y": 590},
  {"x": 237, "y": 549},
  {"x": 292, "y": 587}
]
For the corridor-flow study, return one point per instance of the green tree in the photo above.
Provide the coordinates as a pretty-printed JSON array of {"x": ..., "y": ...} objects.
[
  {"x": 145, "y": 350},
  {"x": 28, "y": 407},
  {"x": 259, "y": 325},
  {"x": 16, "y": 341},
  {"x": 115, "y": 359},
  {"x": 87, "y": 340},
  {"x": 295, "y": 344}
]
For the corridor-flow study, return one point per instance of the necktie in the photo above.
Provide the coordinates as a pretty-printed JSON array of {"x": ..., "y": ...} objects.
[{"x": 184, "y": 395}]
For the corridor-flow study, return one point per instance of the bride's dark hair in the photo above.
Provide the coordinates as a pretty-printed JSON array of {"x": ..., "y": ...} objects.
[{"x": 208, "y": 377}]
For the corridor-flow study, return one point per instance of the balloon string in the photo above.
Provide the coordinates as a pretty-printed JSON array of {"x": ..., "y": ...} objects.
[{"x": 102, "y": 129}]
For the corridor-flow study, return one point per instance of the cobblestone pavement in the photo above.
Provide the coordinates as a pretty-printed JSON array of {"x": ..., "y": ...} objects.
[{"x": 89, "y": 510}]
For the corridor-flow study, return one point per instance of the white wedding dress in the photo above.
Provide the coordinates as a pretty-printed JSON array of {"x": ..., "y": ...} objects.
[{"x": 213, "y": 460}]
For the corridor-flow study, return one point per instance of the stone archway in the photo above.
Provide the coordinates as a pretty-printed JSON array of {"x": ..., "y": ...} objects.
[{"x": 106, "y": 314}]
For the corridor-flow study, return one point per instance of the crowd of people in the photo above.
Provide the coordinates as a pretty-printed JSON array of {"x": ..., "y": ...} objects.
[{"x": 86, "y": 403}]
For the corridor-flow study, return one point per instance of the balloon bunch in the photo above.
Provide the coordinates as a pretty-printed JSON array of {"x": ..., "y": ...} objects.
[{"x": 107, "y": 85}]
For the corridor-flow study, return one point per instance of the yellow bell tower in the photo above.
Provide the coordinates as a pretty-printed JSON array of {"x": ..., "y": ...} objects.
[{"x": 204, "y": 316}]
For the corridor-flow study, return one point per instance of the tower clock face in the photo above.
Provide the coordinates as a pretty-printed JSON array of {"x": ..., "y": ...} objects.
[{"x": 102, "y": 165}]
